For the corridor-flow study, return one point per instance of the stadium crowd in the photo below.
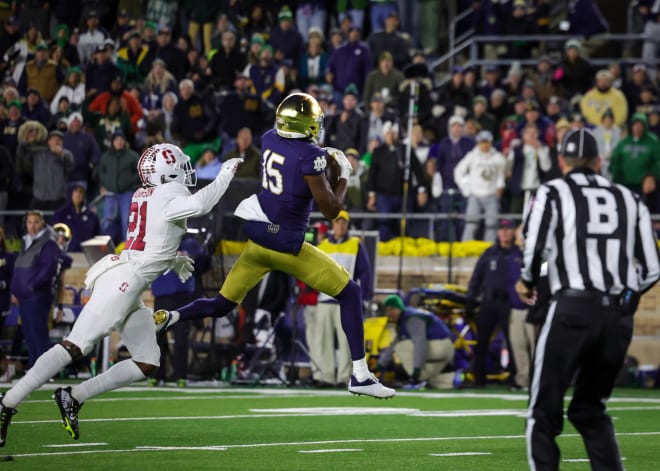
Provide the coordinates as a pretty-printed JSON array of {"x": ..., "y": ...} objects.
[{"x": 86, "y": 85}]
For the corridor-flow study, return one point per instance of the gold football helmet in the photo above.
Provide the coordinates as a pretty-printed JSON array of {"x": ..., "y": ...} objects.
[
  {"x": 299, "y": 115},
  {"x": 63, "y": 231}
]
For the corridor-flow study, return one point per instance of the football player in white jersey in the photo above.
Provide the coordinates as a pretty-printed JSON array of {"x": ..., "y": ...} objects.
[{"x": 157, "y": 223}]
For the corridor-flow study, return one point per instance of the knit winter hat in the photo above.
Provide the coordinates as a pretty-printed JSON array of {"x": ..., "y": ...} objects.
[{"x": 394, "y": 301}]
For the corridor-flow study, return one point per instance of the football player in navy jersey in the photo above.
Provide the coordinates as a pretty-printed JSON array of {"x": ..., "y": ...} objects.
[{"x": 293, "y": 169}]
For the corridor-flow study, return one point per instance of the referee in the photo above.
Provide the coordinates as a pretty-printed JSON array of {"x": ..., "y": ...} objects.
[{"x": 602, "y": 255}]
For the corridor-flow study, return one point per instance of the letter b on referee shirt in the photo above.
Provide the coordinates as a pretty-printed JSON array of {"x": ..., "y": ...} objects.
[{"x": 603, "y": 218}]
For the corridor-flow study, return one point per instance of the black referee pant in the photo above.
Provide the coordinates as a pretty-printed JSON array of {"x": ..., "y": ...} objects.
[{"x": 584, "y": 337}]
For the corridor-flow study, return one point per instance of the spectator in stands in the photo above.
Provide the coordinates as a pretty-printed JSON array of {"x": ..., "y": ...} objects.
[
  {"x": 349, "y": 64},
  {"x": 128, "y": 102},
  {"x": 83, "y": 222},
  {"x": 390, "y": 40},
  {"x": 480, "y": 177},
  {"x": 313, "y": 63},
  {"x": 491, "y": 82},
  {"x": 542, "y": 79},
  {"x": 603, "y": 97},
  {"x": 104, "y": 125},
  {"x": 573, "y": 74},
  {"x": 123, "y": 26},
  {"x": 7, "y": 260},
  {"x": 608, "y": 135},
  {"x": 267, "y": 77},
  {"x": 519, "y": 23},
  {"x": 202, "y": 14},
  {"x": 498, "y": 106},
  {"x": 379, "y": 13},
  {"x": 85, "y": 150},
  {"x": 42, "y": 74},
  {"x": 158, "y": 82},
  {"x": 49, "y": 168},
  {"x": 585, "y": 19},
  {"x": 35, "y": 109},
  {"x": 545, "y": 127},
  {"x": 33, "y": 282},
  {"x": 162, "y": 12},
  {"x": 455, "y": 94},
  {"x": 70, "y": 50},
  {"x": 562, "y": 127},
  {"x": 443, "y": 158},
  {"x": 354, "y": 9},
  {"x": 243, "y": 108},
  {"x": 310, "y": 14},
  {"x": 119, "y": 179},
  {"x": 208, "y": 165},
  {"x": 386, "y": 181},
  {"x": 26, "y": 47},
  {"x": 30, "y": 136},
  {"x": 132, "y": 60},
  {"x": 93, "y": 37},
  {"x": 100, "y": 71},
  {"x": 635, "y": 161},
  {"x": 195, "y": 123},
  {"x": 372, "y": 125},
  {"x": 285, "y": 38},
  {"x": 527, "y": 162},
  {"x": 10, "y": 35},
  {"x": 480, "y": 113},
  {"x": 385, "y": 79},
  {"x": 632, "y": 89},
  {"x": 514, "y": 81},
  {"x": 251, "y": 155},
  {"x": 423, "y": 345},
  {"x": 356, "y": 192},
  {"x": 226, "y": 63},
  {"x": 647, "y": 99},
  {"x": 553, "y": 109},
  {"x": 73, "y": 89},
  {"x": 173, "y": 57},
  {"x": 344, "y": 129}
]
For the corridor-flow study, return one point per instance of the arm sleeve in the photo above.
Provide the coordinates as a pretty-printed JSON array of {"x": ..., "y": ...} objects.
[
  {"x": 545, "y": 163},
  {"x": 474, "y": 287},
  {"x": 541, "y": 220},
  {"x": 646, "y": 250},
  {"x": 417, "y": 330},
  {"x": 460, "y": 171},
  {"x": 199, "y": 204},
  {"x": 363, "y": 273}
]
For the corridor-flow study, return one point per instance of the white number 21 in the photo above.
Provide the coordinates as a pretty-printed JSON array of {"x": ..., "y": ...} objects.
[{"x": 272, "y": 176}]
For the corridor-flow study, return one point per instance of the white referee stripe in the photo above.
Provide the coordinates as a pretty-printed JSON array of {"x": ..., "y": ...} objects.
[
  {"x": 467, "y": 453},
  {"x": 335, "y": 450}
]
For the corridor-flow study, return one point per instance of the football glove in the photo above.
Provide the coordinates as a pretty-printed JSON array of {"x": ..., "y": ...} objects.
[
  {"x": 183, "y": 266},
  {"x": 345, "y": 166}
]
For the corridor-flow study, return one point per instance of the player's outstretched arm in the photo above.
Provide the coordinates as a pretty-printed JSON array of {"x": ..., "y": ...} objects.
[{"x": 204, "y": 200}]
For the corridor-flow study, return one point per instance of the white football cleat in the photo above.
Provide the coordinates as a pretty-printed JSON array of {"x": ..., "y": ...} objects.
[{"x": 370, "y": 387}]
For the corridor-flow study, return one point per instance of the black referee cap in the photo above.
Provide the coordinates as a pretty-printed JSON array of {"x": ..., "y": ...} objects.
[{"x": 579, "y": 144}]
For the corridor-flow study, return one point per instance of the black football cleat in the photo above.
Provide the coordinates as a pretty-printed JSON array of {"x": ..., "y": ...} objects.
[
  {"x": 6, "y": 414},
  {"x": 69, "y": 408}
]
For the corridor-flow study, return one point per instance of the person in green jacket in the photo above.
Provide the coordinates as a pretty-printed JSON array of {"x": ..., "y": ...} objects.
[
  {"x": 636, "y": 159},
  {"x": 119, "y": 178}
]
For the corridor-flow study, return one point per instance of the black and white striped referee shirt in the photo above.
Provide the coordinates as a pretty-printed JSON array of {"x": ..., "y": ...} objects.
[{"x": 595, "y": 235}]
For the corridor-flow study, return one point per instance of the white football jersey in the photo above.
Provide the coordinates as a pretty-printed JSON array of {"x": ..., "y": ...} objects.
[{"x": 152, "y": 239}]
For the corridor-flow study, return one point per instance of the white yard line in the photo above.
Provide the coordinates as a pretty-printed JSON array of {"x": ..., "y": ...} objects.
[
  {"x": 321, "y": 442},
  {"x": 466, "y": 453},
  {"x": 336, "y": 450},
  {"x": 67, "y": 445}
]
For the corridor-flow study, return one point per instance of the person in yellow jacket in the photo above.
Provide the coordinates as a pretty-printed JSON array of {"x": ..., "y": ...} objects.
[
  {"x": 602, "y": 97},
  {"x": 325, "y": 325}
]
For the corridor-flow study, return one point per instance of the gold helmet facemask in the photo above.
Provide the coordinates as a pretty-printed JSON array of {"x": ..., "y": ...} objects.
[{"x": 299, "y": 116}]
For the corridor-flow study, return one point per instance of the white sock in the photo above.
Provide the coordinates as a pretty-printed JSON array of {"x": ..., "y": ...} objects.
[
  {"x": 360, "y": 369},
  {"x": 121, "y": 374},
  {"x": 46, "y": 366}
]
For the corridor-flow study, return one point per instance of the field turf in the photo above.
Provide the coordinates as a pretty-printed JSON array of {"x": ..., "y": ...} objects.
[{"x": 141, "y": 428}]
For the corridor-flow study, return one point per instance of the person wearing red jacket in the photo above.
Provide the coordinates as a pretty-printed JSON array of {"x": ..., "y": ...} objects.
[{"x": 132, "y": 105}]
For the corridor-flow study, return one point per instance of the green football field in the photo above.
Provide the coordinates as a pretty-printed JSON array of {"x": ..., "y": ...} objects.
[{"x": 145, "y": 428}]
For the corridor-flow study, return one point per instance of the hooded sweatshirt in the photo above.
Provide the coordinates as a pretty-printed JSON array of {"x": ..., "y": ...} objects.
[{"x": 635, "y": 158}]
